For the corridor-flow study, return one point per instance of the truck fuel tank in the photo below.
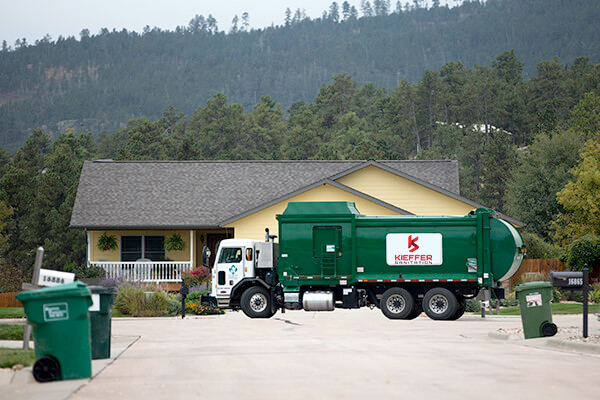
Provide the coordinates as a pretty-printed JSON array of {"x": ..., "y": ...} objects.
[{"x": 318, "y": 301}]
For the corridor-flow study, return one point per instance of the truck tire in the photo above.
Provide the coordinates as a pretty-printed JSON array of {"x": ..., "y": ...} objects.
[
  {"x": 440, "y": 304},
  {"x": 256, "y": 302},
  {"x": 460, "y": 310},
  {"x": 397, "y": 303}
]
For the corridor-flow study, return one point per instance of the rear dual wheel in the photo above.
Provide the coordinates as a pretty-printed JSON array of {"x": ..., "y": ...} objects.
[
  {"x": 398, "y": 303},
  {"x": 440, "y": 304}
]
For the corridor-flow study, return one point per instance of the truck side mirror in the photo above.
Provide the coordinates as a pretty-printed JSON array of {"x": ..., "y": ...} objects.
[{"x": 205, "y": 256}]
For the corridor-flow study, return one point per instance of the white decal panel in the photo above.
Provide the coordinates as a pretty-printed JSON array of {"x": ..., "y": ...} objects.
[{"x": 414, "y": 249}]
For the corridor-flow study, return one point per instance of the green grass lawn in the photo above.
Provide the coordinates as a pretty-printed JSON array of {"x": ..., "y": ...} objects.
[
  {"x": 557, "y": 308},
  {"x": 10, "y": 357},
  {"x": 11, "y": 332},
  {"x": 12, "y": 312}
]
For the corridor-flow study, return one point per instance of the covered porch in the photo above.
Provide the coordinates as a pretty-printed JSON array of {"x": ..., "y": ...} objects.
[{"x": 150, "y": 256}]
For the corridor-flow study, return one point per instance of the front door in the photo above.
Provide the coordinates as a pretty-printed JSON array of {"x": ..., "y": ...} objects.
[{"x": 229, "y": 269}]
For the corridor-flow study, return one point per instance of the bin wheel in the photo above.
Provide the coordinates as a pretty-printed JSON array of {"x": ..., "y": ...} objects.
[
  {"x": 46, "y": 369},
  {"x": 549, "y": 329}
]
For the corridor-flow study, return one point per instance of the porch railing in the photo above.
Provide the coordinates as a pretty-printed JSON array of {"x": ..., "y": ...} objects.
[{"x": 145, "y": 271}]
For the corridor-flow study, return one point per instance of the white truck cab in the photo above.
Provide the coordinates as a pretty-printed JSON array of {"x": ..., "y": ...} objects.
[{"x": 234, "y": 262}]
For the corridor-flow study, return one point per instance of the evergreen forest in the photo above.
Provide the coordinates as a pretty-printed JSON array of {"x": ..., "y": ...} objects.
[{"x": 527, "y": 141}]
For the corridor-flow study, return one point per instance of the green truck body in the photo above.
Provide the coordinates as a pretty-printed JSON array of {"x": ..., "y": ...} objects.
[{"x": 329, "y": 256}]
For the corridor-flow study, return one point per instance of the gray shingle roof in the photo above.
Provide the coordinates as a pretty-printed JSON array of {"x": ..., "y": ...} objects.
[{"x": 197, "y": 194}]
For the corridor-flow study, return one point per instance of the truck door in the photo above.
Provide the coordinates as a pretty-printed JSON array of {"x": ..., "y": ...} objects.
[{"x": 229, "y": 269}]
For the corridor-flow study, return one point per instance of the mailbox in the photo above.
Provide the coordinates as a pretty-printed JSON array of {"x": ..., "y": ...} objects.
[
  {"x": 568, "y": 280},
  {"x": 576, "y": 280}
]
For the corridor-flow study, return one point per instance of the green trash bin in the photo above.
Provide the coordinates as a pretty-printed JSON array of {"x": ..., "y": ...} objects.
[
  {"x": 100, "y": 320},
  {"x": 61, "y": 331},
  {"x": 536, "y": 312}
]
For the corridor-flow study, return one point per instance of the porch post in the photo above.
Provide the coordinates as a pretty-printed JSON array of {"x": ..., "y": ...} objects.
[
  {"x": 191, "y": 248},
  {"x": 89, "y": 248}
]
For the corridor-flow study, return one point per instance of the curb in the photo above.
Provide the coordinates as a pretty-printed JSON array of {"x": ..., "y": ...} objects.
[{"x": 588, "y": 348}]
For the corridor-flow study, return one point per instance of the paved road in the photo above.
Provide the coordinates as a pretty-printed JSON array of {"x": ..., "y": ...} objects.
[{"x": 346, "y": 354}]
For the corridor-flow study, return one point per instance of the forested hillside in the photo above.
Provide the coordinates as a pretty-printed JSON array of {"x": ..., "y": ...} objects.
[{"x": 101, "y": 80}]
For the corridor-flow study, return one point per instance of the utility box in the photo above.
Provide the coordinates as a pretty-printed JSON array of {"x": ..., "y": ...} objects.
[
  {"x": 536, "y": 311},
  {"x": 61, "y": 331}
]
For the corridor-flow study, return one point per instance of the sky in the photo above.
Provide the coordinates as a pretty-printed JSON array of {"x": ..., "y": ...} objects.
[{"x": 33, "y": 19}]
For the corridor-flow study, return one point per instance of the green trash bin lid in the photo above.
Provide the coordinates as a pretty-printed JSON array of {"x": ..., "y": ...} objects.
[
  {"x": 102, "y": 289},
  {"x": 75, "y": 289},
  {"x": 533, "y": 286}
]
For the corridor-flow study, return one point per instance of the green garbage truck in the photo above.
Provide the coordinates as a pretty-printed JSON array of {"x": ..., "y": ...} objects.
[{"x": 330, "y": 256}]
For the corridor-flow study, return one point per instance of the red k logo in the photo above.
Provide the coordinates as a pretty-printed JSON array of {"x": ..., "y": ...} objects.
[{"x": 412, "y": 245}]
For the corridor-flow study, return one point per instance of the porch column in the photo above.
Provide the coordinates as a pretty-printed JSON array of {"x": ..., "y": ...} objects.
[
  {"x": 89, "y": 247},
  {"x": 191, "y": 247}
]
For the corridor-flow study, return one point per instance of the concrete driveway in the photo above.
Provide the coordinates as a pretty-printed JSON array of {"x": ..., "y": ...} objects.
[{"x": 345, "y": 354}]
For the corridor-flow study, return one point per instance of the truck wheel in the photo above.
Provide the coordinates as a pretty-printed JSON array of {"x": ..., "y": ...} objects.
[
  {"x": 397, "y": 303},
  {"x": 460, "y": 310},
  {"x": 440, "y": 304},
  {"x": 256, "y": 302}
]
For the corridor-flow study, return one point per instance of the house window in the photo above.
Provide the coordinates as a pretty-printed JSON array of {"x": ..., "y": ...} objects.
[{"x": 136, "y": 247}]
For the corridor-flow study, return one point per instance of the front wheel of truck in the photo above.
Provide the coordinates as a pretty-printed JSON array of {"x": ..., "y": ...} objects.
[{"x": 256, "y": 302}]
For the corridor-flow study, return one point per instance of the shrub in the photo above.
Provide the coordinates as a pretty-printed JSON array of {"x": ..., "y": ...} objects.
[
  {"x": 473, "y": 305},
  {"x": 141, "y": 301},
  {"x": 538, "y": 248},
  {"x": 585, "y": 250},
  {"x": 83, "y": 272},
  {"x": 196, "y": 277},
  {"x": 594, "y": 296},
  {"x": 510, "y": 300}
]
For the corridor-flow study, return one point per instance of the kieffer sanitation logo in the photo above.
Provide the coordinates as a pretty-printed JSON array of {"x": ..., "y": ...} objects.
[{"x": 413, "y": 248}]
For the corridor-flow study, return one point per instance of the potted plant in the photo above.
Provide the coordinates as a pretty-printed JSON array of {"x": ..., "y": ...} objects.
[
  {"x": 175, "y": 242},
  {"x": 107, "y": 242}
]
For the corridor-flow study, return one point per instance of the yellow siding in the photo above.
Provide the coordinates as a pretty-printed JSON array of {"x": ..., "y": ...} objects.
[
  {"x": 115, "y": 255},
  {"x": 403, "y": 193},
  {"x": 253, "y": 226}
]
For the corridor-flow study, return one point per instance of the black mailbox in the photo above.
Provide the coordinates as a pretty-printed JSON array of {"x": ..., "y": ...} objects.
[
  {"x": 184, "y": 291},
  {"x": 569, "y": 280}
]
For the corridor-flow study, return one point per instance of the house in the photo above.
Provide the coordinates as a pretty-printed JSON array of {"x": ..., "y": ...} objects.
[{"x": 144, "y": 205}]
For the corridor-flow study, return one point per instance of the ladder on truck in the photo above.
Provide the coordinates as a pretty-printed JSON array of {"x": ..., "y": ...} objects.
[{"x": 329, "y": 264}]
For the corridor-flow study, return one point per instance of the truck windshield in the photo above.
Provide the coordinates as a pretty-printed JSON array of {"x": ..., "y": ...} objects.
[{"x": 231, "y": 255}]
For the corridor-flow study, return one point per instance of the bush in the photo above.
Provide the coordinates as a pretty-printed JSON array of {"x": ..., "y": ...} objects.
[
  {"x": 510, "y": 300},
  {"x": 83, "y": 272},
  {"x": 585, "y": 250},
  {"x": 594, "y": 296},
  {"x": 538, "y": 248},
  {"x": 141, "y": 301},
  {"x": 473, "y": 305},
  {"x": 196, "y": 277}
]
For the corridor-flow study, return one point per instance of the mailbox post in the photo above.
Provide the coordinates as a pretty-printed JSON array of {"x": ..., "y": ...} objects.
[
  {"x": 575, "y": 280},
  {"x": 184, "y": 291}
]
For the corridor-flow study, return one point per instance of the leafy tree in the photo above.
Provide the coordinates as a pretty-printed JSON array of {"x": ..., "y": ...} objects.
[
  {"x": 216, "y": 128},
  {"x": 540, "y": 173},
  {"x": 580, "y": 198},
  {"x": 65, "y": 247}
]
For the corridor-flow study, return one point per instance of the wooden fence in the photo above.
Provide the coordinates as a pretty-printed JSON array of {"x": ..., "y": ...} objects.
[
  {"x": 9, "y": 300},
  {"x": 536, "y": 267}
]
